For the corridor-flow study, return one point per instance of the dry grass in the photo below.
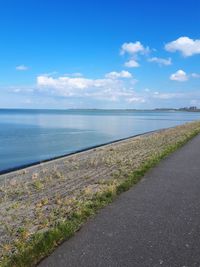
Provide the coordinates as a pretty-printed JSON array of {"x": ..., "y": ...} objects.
[{"x": 38, "y": 198}]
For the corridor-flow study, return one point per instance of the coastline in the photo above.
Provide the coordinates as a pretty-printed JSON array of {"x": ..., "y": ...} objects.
[
  {"x": 56, "y": 197},
  {"x": 25, "y": 166}
]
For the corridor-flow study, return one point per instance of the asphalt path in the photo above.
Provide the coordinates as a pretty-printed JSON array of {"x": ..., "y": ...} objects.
[{"x": 155, "y": 223}]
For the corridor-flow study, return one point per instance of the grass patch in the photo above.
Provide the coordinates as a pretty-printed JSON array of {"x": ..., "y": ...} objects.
[{"x": 42, "y": 244}]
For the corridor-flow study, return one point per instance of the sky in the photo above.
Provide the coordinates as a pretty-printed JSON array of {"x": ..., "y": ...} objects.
[{"x": 138, "y": 54}]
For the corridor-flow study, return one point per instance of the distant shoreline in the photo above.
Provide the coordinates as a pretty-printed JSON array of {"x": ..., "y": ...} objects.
[{"x": 99, "y": 109}]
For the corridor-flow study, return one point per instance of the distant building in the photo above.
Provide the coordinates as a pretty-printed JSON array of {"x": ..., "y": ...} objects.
[{"x": 192, "y": 108}]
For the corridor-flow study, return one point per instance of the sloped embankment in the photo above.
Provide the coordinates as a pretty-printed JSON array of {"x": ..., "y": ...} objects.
[{"x": 38, "y": 200}]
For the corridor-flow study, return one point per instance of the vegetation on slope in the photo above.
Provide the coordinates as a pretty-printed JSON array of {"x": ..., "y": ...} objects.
[{"x": 44, "y": 205}]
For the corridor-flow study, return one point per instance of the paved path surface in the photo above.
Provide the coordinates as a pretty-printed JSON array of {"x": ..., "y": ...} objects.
[{"x": 156, "y": 223}]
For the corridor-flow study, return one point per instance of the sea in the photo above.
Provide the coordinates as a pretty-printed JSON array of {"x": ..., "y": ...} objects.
[{"x": 31, "y": 136}]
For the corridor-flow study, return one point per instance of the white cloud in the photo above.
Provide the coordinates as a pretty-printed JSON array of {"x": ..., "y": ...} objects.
[
  {"x": 117, "y": 75},
  {"x": 132, "y": 48},
  {"x": 131, "y": 64},
  {"x": 62, "y": 82},
  {"x": 21, "y": 67},
  {"x": 179, "y": 76},
  {"x": 115, "y": 86},
  {"x": 99, "y": 93},
  {"x": 137, "y": 99},
  {"x": 166, "y": 96},
  {"x": 185, "y": 45},
  {"x": 161, "y": 61}
]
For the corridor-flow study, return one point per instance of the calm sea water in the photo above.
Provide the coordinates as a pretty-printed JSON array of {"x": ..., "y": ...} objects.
[{"x": 28, "y": 136}]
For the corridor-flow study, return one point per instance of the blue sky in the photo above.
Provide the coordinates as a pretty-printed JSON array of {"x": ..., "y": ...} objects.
[{"x": 99, "y": 54}]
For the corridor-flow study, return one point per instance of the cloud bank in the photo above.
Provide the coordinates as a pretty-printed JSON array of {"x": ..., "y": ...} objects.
[{"x": 115, "y": 86}]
